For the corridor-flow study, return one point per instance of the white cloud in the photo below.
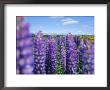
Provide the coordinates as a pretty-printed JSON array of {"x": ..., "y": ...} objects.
[{"x": 68, "y": 21}]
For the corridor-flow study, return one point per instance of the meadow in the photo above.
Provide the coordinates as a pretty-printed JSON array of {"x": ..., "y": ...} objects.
[{"x": 55, "y": 54}]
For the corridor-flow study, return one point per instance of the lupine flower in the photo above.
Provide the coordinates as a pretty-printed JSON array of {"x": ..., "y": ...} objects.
[
  {"x": 52, "y": 52},
  {"x": 40, "y": 55},
  {"x": 84, "y": 56},
  {"x": 27, "y": 60},
  {"x": 19, "y": 22},
  {"x": 24, "y": 50},
  {"x": 90, "y": 61},
  {"x": 48, "y": 58},
  {"x": 60, "y": 65},
  {"x": 72, "y": 55},
  {"x": 63, "y": 57},
  {"x": 91, "y": 57}
]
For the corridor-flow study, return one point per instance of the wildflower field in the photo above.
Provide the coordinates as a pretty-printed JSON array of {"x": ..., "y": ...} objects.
[{"x": 53, "y": 54}]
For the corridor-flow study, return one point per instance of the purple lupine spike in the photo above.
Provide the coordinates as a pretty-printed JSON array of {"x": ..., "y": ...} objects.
[
  {"x": 90, "y": 61},
  {"x": 25, "y": 45},
  {"x": 18, "y": 57},
  {"x": 27, "y": 60},
  {"x": 48, "y": 65},
  {"x": 52, "y": 51},
  {"x": 81, "y": 56},
  {"x": 72, "y": 55},
  {"x": 18, "y": 49},
  {"x": 40, "y": 55},
  {"x": 63, "y": 56},
  {"x": 84, "y": 56},
  {"x": 24, "y": 51}
]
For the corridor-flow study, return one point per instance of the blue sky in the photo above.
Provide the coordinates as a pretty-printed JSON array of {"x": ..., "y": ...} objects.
[{"x": 83, "y": 25}]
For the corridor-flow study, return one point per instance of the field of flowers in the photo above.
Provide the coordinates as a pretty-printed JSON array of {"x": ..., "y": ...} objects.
[
  {"x": 53, "y": 54},
  {"x": 61, "y": 54}
]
